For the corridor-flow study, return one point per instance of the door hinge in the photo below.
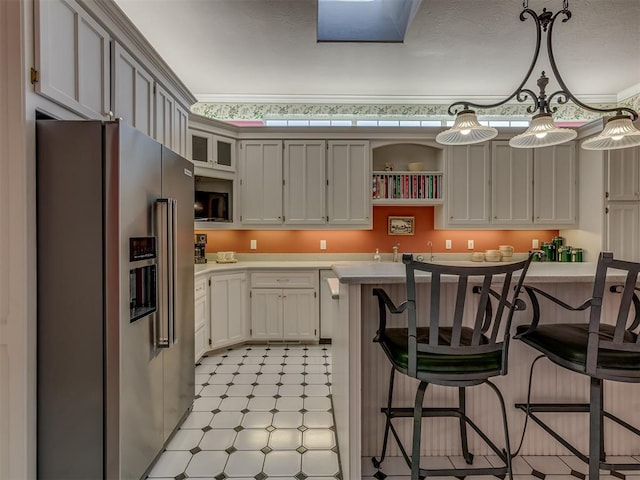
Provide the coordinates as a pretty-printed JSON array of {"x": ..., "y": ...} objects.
[
  {"x": 606, "y": 194},
  {"x": 283, "y": 218},
  {"x": 155, "y": 90},
  {"x": 251, "y": 331},
  {"x": 240, "y": 181},
  {"x": 209, "y": 341},
  {"x": 327, "y": 183},
  {"x": 209, "y": 282},
  {"x": 250, "y": 294},
  {"x": 35, "y": 75},
  {"x": 315, "y": 332},
  {"x": 606, "y": 210},
  {"x": 283, "y": 182},
  {"x": 315, "y": 294}
]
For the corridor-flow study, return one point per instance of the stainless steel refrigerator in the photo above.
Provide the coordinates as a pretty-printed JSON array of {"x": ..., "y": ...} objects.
[{"x": 115, "y": 299}]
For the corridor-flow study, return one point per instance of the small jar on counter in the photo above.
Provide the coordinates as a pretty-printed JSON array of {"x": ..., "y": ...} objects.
[
  {"x": 576, "y": 255},
  {"x": 564, "y": 253}
]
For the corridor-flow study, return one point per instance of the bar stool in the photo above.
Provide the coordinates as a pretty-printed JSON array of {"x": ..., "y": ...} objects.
[
  {"x": 599, "y": 350},
  {"x": 446, "y": 352}
]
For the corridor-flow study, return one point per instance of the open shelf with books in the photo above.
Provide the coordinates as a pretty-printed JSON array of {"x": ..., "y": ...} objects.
[
  {"x": 407, "y": 173},
  {"x": 407, "y": 187}
]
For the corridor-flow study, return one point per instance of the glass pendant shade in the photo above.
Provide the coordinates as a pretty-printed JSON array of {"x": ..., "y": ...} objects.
[
  {"x": 619, "y": 132},
  {"x": 466, "y": 130},
  {"x": 542, "y": 132}
]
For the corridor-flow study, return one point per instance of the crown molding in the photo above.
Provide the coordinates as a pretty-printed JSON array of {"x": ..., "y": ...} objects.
[
  {"x": 373, "y": 99},
  {"x": 627, "y": 93}
]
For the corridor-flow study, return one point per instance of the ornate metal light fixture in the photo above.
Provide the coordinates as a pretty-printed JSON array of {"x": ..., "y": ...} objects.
[{"x": 619, "y": 131}]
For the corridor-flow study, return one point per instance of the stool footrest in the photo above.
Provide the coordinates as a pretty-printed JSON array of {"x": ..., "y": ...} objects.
[
  {"x": 530, "y": 409},
  {"x": 398, "y": 412},
  {"x": 462, "y": 472}
]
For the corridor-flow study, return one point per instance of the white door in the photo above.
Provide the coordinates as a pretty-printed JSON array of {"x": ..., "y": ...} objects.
[
  {"x": 201, "y": 314},
  {"x": 623, "y": 229},
  {"x": 304, "y": 182},
  {"x": 72, "y": 58},
  {"x": 468, "y": 170},
  {"x": 261, "y": 182},
  {"x": 164, "y": 122},
  {"x": 220, "y": 310},
  {"x": 511, "y": 184},
  {"x": 236, "y": 287},
  {"x": 624, "y": 174},
  {"x": 554, "y": 185},
  {"x": 266, "y": 314},
  {"x": 132, "y": 91},
  {"x": 349, "y": 188},
  {"x": 300, "y": 314}
]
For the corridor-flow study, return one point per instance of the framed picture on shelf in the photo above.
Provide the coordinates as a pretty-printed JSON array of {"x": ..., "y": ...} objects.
[{"x": 401, "y": 225}]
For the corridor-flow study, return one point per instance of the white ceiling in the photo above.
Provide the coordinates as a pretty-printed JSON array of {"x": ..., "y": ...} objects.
[{"x": 266, "y": 50}]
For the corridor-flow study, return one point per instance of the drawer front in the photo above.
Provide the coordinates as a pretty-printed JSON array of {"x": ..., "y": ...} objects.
[
  {"x": 292, "y": 279},
  {"x": 201, "y": 287}
]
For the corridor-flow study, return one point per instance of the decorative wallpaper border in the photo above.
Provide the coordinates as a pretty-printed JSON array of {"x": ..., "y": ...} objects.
[{"x": 261, "y": 111}]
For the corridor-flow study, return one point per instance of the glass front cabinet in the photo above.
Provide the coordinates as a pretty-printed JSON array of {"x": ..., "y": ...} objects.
[{"x": 211, "y": 150}]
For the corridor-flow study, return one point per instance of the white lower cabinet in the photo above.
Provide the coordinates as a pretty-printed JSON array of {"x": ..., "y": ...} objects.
[
  {"x": 228, "y": 309},
  {"x": 623, "y": 230},
  {"x": 201, "y": 316},
  {"x": 284, "y": 306}
]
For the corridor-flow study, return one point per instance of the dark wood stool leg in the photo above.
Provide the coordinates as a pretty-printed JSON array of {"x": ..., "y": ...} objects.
[
  {"x": 417, "y": 431},
  {"x": 468, "y": 457},
  {"x": 595, "y": 428},
  {"x": 387, "y": 425}
]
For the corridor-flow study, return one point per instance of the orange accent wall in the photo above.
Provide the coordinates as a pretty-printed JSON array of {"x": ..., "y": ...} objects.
[{"x": 364, "y": 241}]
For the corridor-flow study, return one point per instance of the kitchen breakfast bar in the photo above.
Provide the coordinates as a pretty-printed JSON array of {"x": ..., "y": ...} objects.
[{"x": 361, "y": 373}]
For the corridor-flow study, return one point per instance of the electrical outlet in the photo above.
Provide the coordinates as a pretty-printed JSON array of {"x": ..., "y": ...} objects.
[
  {"x": 323, "y": 244},
  {"x": 535, "y": 243},
  {"x": 470, "y": 244},
  {"x": 254, "y": 244},
  {"x": 447, "y": 244}
]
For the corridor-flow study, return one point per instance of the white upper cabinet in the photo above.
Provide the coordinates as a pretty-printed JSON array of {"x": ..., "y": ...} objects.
[
  {"x": 624, "y": 174},
  {"x": 261, "y": 182},
  {"x": 132, "y": 91},
  {"x": 468, "y": 170},
  {"x": 180, "y": 122},
  {"x": 511, "y": 184},
  {"x": 349, "y": 188},
  {"x": 304, "y": 182},
  {"x": 72, "y": 58},
  {"x": 164, "y": 122},
  {"x": 623, "y": 231},
  {"x": 554, "y": 180},
  {"x": 209, "y": 150}
]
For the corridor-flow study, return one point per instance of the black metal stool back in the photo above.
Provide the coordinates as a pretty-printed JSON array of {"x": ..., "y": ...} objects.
[
  {"x": 603, "y": 349},
  {"x": 460, "y": 350}
]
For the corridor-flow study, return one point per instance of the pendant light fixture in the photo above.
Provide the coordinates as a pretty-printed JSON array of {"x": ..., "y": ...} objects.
[{"x": 619, "y": 131}]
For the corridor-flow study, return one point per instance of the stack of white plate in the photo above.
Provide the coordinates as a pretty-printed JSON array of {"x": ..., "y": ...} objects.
[
  {"x": 477, "y": 257},
  {"x": 492, "y": 255},
  {"x": 507, "y": 252}
]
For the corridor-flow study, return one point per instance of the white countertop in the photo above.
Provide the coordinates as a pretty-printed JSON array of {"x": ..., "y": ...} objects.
[
  {"x": 369, "y": 272},
  {"x": 388, "y": 272}
]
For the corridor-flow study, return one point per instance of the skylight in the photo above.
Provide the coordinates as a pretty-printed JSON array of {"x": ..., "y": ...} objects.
[{"x": 365, "y": 20}]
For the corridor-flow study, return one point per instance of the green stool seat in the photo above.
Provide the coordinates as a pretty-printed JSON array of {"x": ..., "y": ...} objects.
[
  {"x": 395, "y": 345},
  {"x": 568, "y": 342}
]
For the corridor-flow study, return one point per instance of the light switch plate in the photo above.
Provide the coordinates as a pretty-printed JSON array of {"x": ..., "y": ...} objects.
[
  {"x": 447, "y": 244},
  {"x": 323, "y": 244},
  {"x": 254, "y": 244},
  {"x": 470, "y": 244},
  {"x": 535, "y": 243}
]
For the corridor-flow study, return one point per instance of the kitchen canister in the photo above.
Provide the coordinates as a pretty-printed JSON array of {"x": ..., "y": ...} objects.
[
  {"x": 576, "y": 255},
  {"x": 549, "y": 250},
  {"x": 564, "y": 253}
]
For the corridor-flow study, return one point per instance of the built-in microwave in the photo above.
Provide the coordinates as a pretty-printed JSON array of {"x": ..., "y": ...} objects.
[{"x": 212, "y": 200}]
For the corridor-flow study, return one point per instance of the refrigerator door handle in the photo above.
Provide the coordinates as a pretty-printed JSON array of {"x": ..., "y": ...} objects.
[
  {"x": 173, "y": 331},
  {"x": 164, "y": 222}
]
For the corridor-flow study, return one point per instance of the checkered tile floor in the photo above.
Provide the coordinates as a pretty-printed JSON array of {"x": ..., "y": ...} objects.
[
  {"x": 524, "y": 468},
  {"x": 260, "y": 412}
]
